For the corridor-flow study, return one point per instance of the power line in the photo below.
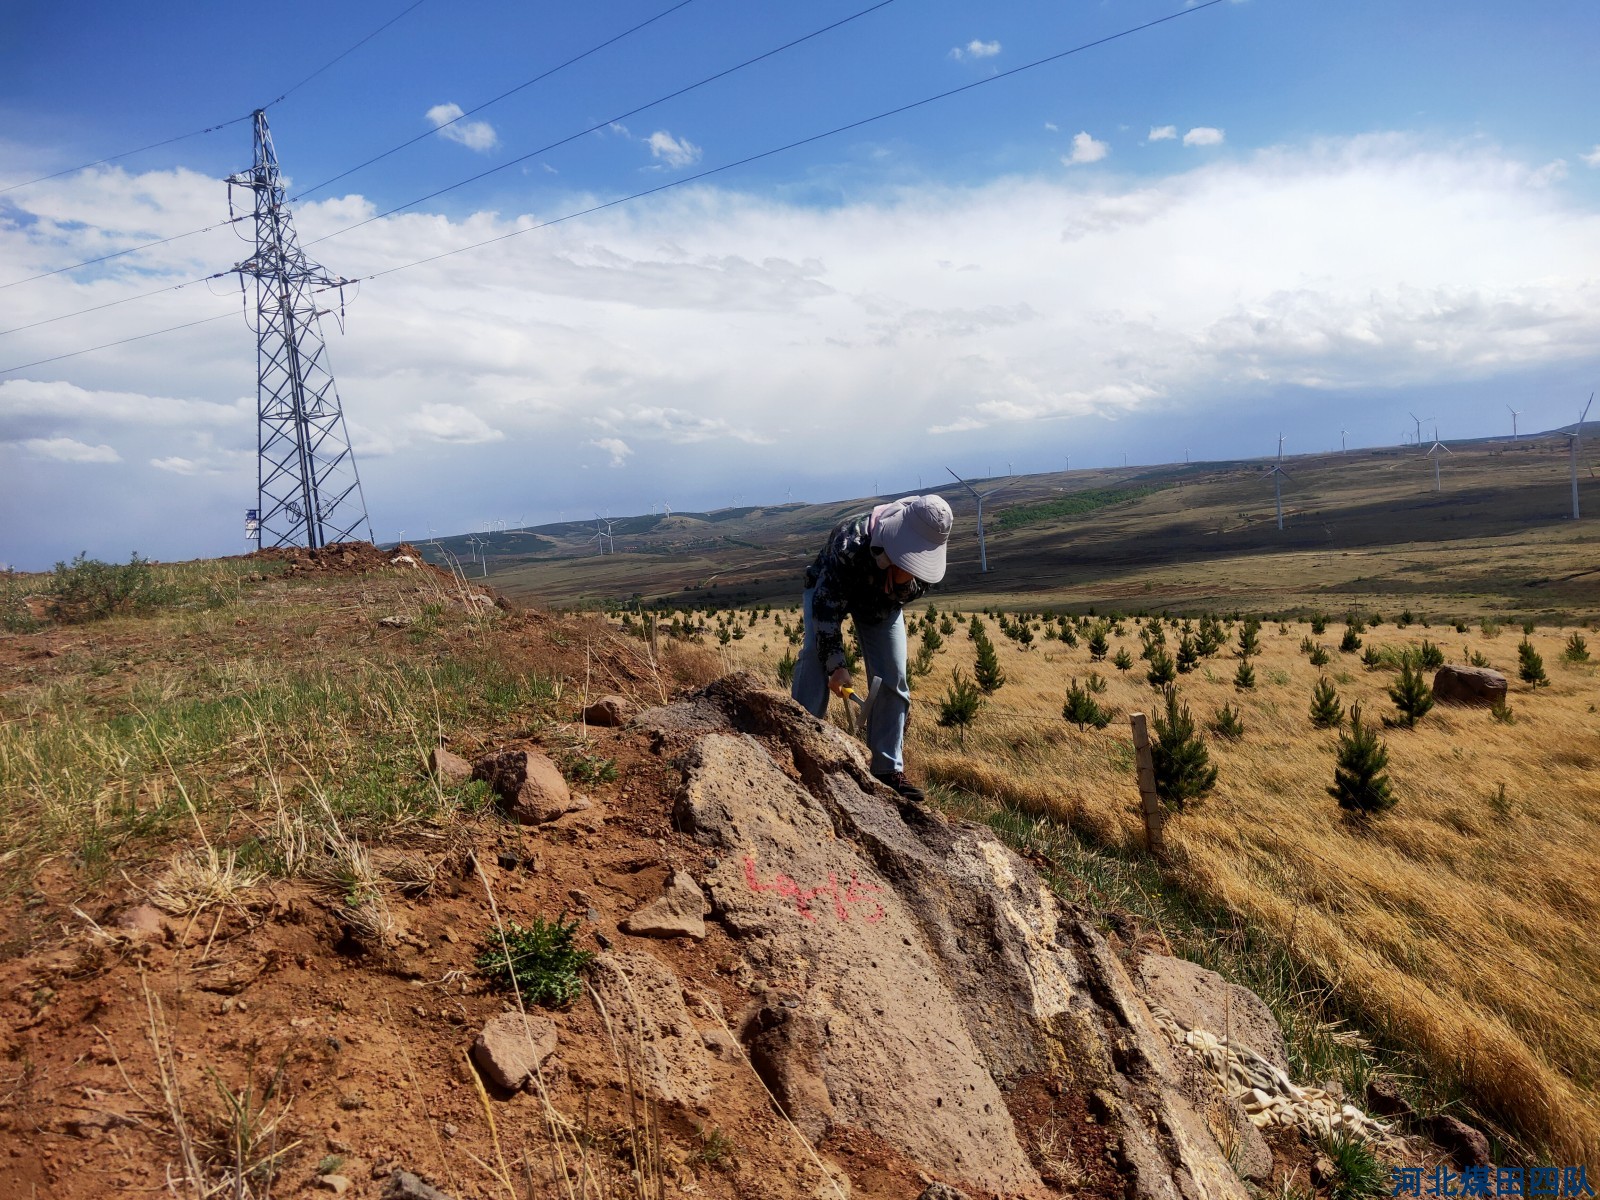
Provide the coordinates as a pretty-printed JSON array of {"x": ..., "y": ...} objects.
[
  {"x": 359, "y": 166},
  {"x": 174, "y": 287},
  {"x": 683, "y": 91},
  {"x": 209, "y": 128},
  {"x": 816, "y": 137},
  {"x": 138, "y": 337},
  {"x": 496, "y": 100}
]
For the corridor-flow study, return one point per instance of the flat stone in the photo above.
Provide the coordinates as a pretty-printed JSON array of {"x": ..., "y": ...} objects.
[
  {"x": 942, "y": 1191},
  {"x": 679, "y": 912},
  {"x": 140, "y": 922},
  {"x": 448, "y": 767},
  {"x": 1202, "y": 999},
  {"x": 393, "y": 622},
  {"x": 337, "y": 1184},
  {"x": 609, "y": 712},
  {"x": 509, "y": 1052},
  {"x": 528, "y": 785},
  {"x": 403, "y": 1185}
]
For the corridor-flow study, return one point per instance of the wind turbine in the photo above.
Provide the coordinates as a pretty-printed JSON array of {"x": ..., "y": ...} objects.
[
  {"x": 1418, "y": 420},
  {"x": 1278, "y": 476},
  {"x": 980, "y": 497},
  {"x": 1433, "y": 453},
  {"x": 603, "y": 536},
  {"x": 1573, "y": 439},
  {"x": 1515, "y": 413},
  {"x": 1342, "y": 432}
]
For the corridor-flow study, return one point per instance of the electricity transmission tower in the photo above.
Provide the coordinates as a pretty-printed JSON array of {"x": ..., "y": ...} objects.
[{"x": 308, "y": 491}]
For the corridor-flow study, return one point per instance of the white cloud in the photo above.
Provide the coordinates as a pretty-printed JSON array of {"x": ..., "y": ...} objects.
[
  {"x": 1052, "y": 127},
  {"x": 178, "y": 466},
  {"x": 1592, "y": 158},
  {"x": 1085, "y": 149},
  {"x": 975, "y": 49},
  {"x": 69, "y": 450},
  {"x": 1203, "y": 135},
  {"x": 1551, "y": 172},
  {"x": 474, "y": 135},
  {"x": 452, "y": 423},
  {"x": 675, "y": 152},
  {"x": 1163, "y": 133},
  {"x": 616, "y": 447}
]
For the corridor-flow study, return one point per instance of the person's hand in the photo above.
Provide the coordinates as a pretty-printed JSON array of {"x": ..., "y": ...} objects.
[{"x": 839, "y": 680}]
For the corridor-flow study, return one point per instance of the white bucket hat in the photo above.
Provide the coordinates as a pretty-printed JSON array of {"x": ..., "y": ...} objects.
[{"x": 913, "y": 531}]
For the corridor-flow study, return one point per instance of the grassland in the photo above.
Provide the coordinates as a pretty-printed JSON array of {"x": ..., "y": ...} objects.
[{"x": 1457, "y": 928}]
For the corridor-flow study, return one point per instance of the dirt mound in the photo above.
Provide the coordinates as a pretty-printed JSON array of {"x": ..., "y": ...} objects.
[{"x": 348, "y": 558}]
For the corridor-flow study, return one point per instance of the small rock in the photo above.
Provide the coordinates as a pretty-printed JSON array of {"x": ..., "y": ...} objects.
[
  {"x": 528, "y": 785},
  {"x": 140, "y": 922},
  {"x": 720, "y": 1044},
  {"x": 1385, "y": 1099},
  {"x": 1322, "y": 1170},
  {"x": 508, "y": 861},
  {"x": 1466, "y": 1145},
  {"x": 403, "y": 1185},
  {"x": 450, "y": 1130},
  {"x": 942, "y": 1191},
  {"x": 509, "y": 1052},
  {"x": 448, "y": 767},
  {"x": 337, "y": 1184},
  {"x": 680, "y": 912},
  {"x": 609, "y": 712},
  {"x": 393, "y": 622}
]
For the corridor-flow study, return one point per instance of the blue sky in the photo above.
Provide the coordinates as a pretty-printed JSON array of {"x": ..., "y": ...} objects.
[{"x": 1265, "y": 213}]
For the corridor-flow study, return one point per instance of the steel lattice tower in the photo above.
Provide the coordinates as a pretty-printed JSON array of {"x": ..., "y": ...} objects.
[{"x": 308, "y": 491}]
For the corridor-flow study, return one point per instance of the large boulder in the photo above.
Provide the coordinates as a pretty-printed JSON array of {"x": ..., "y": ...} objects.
[
  {"x": 1469, "y": 685},
  {"x": 1202, "y": 999},
  {"x": 913, "y": 976},
  {"x": 528, "y": 785}
]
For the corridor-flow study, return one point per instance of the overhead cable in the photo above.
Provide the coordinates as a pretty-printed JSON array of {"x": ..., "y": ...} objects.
[
  {"x": 683, "y": 91},
  {"x": 138, "y": 337},
  {"x": 209, "y": 128},
  {"x": 805, "y": 141}
]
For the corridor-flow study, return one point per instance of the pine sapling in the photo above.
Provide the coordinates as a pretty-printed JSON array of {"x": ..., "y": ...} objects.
[
  {"x": 1188, "y": 654},
  {"x": 1098, "y": 645},
  {"x": 1411, "y": 693},
  {"x": 1123, "y": 661},
  {"x": 1429, "y": 656},
  {"x": 1359, "y": 784},
  {"x": 1577, "y": 650},
  {"x": 1530, "y": 665},
  {"x": 1245, "y": 677},
  {"x": 1182, "y": 764},
  {"x": 1162, "y": 671},
  {"x": 1319, "y": 656},
  {"x": 1082, "y": 709},
  {"x": 960, "y": 705},
  {"x": 1250, "y": 638},
  {"x": 1326, "y": 711},
  {"x": 1227, "y": 723},
  {"x": 1350, "y": 642},
  {"x": 987, "y": 671}
]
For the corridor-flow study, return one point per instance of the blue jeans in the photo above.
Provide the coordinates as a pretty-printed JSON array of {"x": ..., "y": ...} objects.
[{"x": 884, "y": 648}]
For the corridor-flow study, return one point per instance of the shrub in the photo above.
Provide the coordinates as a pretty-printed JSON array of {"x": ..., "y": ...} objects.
[
  {"x": 1477, "y": 659},
  {"x": 1123, "y": 660},
  {"x": 1162, "y": 671},
  {"x": 960, "y": 705},
  {"x": 1351, "y": 641},
  {"x": 1359, "y": 784},
  {"x": 87, "y": 589},
  {"x": 1096, "y": 683},
  {"x": 1577, "y": 650},
  {"x": 931, "y": 640},
  {"x": 1250, "y": 638},
  {"x": 1188, "y": 654},
  {"x": 1182, "y": 764},
  {"x": 543, "y": 964},
  {"x": 1024, "y": 635},
  {"x": 1319, "y": 624},
  {"x": 1227, "y": 723},
  {"x": 1429, "y": 656},
  {"x": 1098, "y": 646},
  {"x": 987, "y": 671},
  {"x": 1326, "y": 711},
  {"x": 1245, "y": 677},
  {"x": 1319, "y": 656},
  {"x": 1082, "y": 709},
  {"x": 786, "y": 668},
  {"x": 1307, "y": 645},
  {"x": 1527, "y": 629},
  {"x": 1501, "y": 711},
  {"x": 1530, "y": 665},
  {"x": 1371, "y": 659},
  {"x": 975, "y": 628},
  {"x": 1411, "y": 694},
  {"x": 1489, "y": 627}
]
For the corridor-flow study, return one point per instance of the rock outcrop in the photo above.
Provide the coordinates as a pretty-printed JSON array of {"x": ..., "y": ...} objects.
[
  {"x": 912, "y": 976},
  {"x": 1468, "y": 685}
]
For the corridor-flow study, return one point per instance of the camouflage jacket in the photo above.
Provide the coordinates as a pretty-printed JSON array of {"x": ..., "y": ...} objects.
[{"x": 845, "y": 578}]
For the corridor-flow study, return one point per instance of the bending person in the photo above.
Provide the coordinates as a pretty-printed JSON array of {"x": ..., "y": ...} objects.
[{"x": 871, "y": 567}]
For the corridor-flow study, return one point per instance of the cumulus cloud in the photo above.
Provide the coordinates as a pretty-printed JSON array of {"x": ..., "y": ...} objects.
[
  {"x": 1551, "y": 172},
  {"x": 675, "y": 152},
  {"x": 1052, "y": 127},
  {"x": 178, "y": 466},
  {"x": 1085, "y": 149},
  {"x": 452, "y": 423},
  {"x": 976, "y": 48},
  {"x": 618, "y": 449},
  {"x": 1592, "y": 158},
  {"x": 69, "y": 450},
  {"x": 474, "y": 135},
  {"x": 1203, "y": 135},
  {"x": 1163, "y": 133}
]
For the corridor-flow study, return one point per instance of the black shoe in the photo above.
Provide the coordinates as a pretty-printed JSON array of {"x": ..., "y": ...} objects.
[{"x": 897, "y": 782}]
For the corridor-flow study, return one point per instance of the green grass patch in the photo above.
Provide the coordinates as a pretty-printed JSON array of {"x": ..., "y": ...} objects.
[
  {"x": 1075, "y": 504},
  {"x": 538, "y": 959}
]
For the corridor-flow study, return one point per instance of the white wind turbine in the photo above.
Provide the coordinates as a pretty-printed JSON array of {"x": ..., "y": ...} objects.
[
  {"x": 1342, "y": 433},
  {"x": 1418, "y": 420},
  {"x": 1573, "y": 439},
  {"x": 1433, "y": 453},
  {"x": 1515, "y": 413},
  {"x": 1278, "y": 476},
  {"x": 980, "y": 497},
  {"x": 602, "y": 536}
]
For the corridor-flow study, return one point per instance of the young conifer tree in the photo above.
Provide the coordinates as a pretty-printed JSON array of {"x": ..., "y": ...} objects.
[
  {"x": 1326, "y": 711},
  {"x": 1245, "y": 677},
  {"x": 1162, "y": 671},
  {"x": 1530, "y": 665},
  {"x": 1183, "y": 765},
  {"x": 1411, "y": 693},
  {"x": 1082, "y": 709},
  {"x": 1098, "y": 646},
  {"x": 1123, "y": 661},
  {"x": 960, "y": 706},
  {"x": 1227, "y": 723},
  {"x": 1577, "y": 650},
  {"x": 1250, "y": 638},
  {"x": 1359, "y": 784},
  {"x": 987, "y": 671}
]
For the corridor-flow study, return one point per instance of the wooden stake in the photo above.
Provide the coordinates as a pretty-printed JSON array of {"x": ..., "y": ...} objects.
[{"x": 1149, "y": 801}]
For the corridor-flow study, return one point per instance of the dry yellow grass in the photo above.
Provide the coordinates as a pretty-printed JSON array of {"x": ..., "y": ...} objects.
[{"x": 1462, "y": 922}]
